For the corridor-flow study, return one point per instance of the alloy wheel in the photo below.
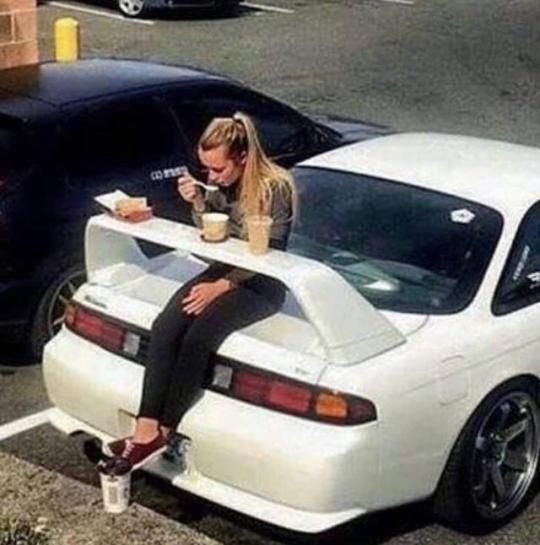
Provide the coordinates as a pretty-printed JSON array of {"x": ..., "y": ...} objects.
[
  {"x": 60, "y": 299},
  {"x": 131, "y": 8},
  {"x": 505, "y": 455}
]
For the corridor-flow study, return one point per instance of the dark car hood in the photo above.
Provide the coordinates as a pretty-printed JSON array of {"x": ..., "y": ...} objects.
[{"x": 352, "y": 130}]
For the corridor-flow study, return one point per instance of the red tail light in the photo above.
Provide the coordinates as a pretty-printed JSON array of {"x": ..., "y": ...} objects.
[
  {"x": 264, "y": 390},
  {"x": 289, "y": 396},
  {"x": 250, "y": 386},
  {"x": 95, "y": 328},
  {"x": 234, "y": 380}
]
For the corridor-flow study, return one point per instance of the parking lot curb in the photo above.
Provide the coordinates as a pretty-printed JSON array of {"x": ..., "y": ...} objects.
[{"x": 73, "y": 511}]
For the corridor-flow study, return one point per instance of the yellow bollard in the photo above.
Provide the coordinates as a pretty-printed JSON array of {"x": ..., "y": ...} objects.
[{"x": 66, "y": 39}]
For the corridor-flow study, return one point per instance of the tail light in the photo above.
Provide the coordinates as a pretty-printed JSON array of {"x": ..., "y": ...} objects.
[
  {"x": 101, "y": 330},
  {"x": 233, "y": 379},
  {"x": 289, "y": 396}
]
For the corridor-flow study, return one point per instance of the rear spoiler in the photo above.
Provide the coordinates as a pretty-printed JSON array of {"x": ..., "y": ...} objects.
[{"x": 349, "y": 327}]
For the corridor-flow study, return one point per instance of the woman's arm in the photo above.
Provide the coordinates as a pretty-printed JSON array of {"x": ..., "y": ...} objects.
[{"x": 198, "y": 208}]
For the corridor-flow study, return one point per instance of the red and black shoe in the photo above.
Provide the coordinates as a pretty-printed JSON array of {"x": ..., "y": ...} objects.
[
  {"x": 138, "y": 454},
  {"x": 115, "y": 448},
  {"x": 121, "y": 447}
]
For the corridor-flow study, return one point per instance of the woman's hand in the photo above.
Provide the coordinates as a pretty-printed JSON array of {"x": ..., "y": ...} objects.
[
  {"x": 201, "y": 295},
  {"x": 187, "y": 189}
]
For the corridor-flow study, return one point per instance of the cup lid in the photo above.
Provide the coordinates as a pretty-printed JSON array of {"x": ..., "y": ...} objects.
[
  {"x": 215, "y": 216},
  {"x": 259, "y": 219}
]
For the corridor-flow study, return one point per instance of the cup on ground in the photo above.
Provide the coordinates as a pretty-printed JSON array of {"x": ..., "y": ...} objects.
[
  {"x": 258, "y": 228},
  {"x": 116, "y": 490},
  {"x": 215, "y": 226}
]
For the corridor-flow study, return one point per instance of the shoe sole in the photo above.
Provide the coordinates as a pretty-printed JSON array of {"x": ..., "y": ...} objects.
[
  {"x": 149, "y": 458},
  {"x": 107, "y": 451}
]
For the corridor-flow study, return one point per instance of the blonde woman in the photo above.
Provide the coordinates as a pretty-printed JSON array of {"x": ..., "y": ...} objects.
[{"x": 220, "y": 300}]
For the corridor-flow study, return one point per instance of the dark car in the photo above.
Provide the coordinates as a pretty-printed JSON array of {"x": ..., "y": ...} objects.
[
  {"x": 136, "y": 8},
  {"x": 71, "y": 131}
]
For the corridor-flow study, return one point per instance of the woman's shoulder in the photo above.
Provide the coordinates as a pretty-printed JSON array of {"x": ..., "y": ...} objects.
[
  {"x": 281, "y": 197},
  {"x": 280, "y": 188},
  {"x": 281, "y": 181}
]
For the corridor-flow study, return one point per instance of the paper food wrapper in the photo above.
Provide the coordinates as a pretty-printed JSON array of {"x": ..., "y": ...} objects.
[{"x": 133, "y": 209}]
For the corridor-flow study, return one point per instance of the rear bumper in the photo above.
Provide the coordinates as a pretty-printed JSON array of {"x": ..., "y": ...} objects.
[
  {"x": 233, "y": 498},
  {"x": 284, "y": 470}
]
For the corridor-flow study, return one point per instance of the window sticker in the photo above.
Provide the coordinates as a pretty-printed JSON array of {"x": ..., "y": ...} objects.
[
  {"x": 463, "y": 215},
  {"x": 522, "y": 262},
  {"x": 534, "y": 279},
  {"x": 167, "y": 173}
]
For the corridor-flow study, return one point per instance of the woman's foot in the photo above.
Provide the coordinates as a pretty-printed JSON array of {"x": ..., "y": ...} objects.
[
  {"x": 137, "y": 454},
  {"x": 145, "y": 431},
  {"x": 116, "y": 448}
]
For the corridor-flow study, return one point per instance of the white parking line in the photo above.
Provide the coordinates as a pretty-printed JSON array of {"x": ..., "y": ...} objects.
[
  {"x": 24, "y": 424},
  {"x": 404, "y": 2},
  {"x": 262, "y": 7},
  {"x": 100, "y": 13}
]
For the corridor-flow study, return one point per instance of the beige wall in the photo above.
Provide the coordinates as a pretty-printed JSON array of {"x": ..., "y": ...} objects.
[{"x": 18, "y": 32}]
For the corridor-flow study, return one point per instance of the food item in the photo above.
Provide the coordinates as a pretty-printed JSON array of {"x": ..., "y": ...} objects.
[
  {"x": 215, "y": 226},
  {"x": 130, "y": 204},
  {"x": 133, "y": 209}
]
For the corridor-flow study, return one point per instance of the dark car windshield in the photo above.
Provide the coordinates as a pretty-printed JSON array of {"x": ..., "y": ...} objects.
[{"x": 402, "y": 247}]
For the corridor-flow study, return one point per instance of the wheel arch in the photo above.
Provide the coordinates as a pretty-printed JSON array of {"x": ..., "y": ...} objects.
[
  {"x": 531, "y": 378},
  {"x": 53, "y": 269}
]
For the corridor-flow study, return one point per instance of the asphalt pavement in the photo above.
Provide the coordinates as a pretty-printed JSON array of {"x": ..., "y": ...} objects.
[{"x": 468, "y": 66}]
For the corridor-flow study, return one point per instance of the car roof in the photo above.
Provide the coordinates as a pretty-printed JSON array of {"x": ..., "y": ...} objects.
[
  {"x": 498, "y": 174},
  {"x": 22, "y": 108},
  {"x": 59, "y": 84}
]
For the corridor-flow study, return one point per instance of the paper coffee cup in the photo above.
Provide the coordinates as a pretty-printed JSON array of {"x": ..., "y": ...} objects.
[
  {"x": 215, "y": 226},
  {"x": 116, "y": 491},
  {"x": 258, "y": 228}
]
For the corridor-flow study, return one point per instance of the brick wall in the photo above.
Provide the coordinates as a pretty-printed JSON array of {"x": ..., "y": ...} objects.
[{"x": 18, "y": 32}]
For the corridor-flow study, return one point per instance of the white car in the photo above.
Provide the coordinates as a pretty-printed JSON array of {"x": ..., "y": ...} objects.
[{"x": 404, "y": 365}]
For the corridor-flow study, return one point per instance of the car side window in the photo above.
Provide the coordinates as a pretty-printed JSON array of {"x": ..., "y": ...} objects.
[
  {"x": 519, "y": 285},
  {"x": 280, "y": 128},
  {"x": 121, "y": 138},
  {"x": 131, "y": 144}
]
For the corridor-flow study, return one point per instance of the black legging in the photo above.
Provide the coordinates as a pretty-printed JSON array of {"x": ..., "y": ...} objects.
[{"x": 181, "y": 345}]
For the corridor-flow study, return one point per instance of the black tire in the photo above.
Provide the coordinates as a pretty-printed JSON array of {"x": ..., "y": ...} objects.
[
  {"x": 230, "y": 9},
  {"x": 132, "y": 8},
  {"x": 49, "y": 315},
  {"x": 490, "y": 474}
]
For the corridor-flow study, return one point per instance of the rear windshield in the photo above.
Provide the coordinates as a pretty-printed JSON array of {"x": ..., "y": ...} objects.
[{"x": 404, "y": 248}]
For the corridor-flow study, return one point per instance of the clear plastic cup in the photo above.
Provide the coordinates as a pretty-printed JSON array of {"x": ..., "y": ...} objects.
[
  {"x": 215, "y": 226},
  {"x": 258, "y": 228}
]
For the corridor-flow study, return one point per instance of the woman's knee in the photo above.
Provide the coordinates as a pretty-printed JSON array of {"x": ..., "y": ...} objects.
[{"x": 199, "y": 342}]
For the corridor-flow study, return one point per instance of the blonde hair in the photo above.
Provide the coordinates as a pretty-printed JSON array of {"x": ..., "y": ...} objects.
[{"x": 261, "y": 176}]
